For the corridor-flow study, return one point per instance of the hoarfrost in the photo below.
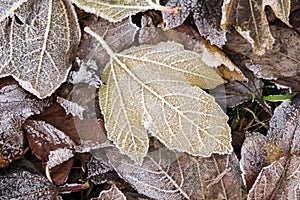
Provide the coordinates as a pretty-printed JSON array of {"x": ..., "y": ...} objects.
[
  {"x": 71, "y": 107},
  {"x": 59, "y": 156}
]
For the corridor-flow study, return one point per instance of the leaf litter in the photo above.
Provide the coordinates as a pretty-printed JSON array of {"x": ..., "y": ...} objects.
[
  {"x": 273, "y": 159},
  {"x": 277, "y": 153}
]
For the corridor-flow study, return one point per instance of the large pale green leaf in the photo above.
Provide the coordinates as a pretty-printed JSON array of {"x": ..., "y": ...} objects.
[
  {"x": 37, "y": 44},
  {"x": 154, "y": 88},
  {"x": 117, "y": 10},
  {"x": 249, "y": 19}
]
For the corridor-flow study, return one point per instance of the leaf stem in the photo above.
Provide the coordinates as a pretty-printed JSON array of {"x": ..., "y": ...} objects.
[{"x": 161, "y": 8}]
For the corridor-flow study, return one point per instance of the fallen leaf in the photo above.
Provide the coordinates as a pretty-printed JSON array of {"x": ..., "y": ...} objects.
[
  {"x": 280, "y": 62},
  {"x": 115, "y": 11},
  {"x": 148, "y": 88},
  {"x": 38, "y": 44},
  {"x": 15, "y": 106},
  {"x": 118, "y": 36},
  {"x": 270, "y": 163},
  {"x": 52, "y": 146},
  {"x": 249, "y": 19},
  {"x": 206, "y": 14},
  {"x": 21, "y": 184},
  {"x": 186, "y": 35},
  {"x": 237, "y": 92},
  {"x": 71, "y": 108},
  {"x": 8, "y": 8},
  {"x": 112, "y": 193},
  {"x": 280, "y": 8},
  {"x": 98, "y": 168},
  {"x": 168, "y": 175}
]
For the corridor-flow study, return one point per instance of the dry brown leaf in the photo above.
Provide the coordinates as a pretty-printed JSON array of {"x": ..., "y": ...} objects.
[
  {"x": 206, "y": 15},
  {"x": 269, "y": 163},
  {"x": 15, "y": 106},
  {"x": 249, "y": 19},
  {"x": 282, "y": 62},
  {"x": 52, "y": 146},
  {"x": 168, "y": 175}
]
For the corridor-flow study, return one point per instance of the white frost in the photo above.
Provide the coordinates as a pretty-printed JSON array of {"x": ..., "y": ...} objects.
[
  {"x": 71, "y": 107},
  {"x": 86, "y": 74},
  {"x": 59, "y": 156}
]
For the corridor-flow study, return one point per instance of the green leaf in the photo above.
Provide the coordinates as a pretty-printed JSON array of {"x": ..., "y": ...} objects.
[
  {"x": 249, "y": 19},
  {"x": 117, "y": 10},
  {"x": 154, "y": 88}
]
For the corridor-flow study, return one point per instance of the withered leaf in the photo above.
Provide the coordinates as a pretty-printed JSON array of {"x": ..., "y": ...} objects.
[
  {"x": 8, "y": 7},
  {"x": 238, "y": 92},
  {"x": 38, "y": 44},
  {"x": 21, "y": 184},
  {"x": 115, "y": 11},
  {"x": 15, "y": 106},
  {"x": 269, "y": 162},
  {"x": 52, "y": 146},
  {"x": 249, "y": 19},
  {"x": 282, "y": 61},
  {"x": 207, "y": 17},
  {"x": 118, "y": 36},
  {"x": 151, "y": 87},
  {"x": 168, "y": 175},
  {"x": 98, "y": 168},
  {"x": 186, "y": 35},
  {"x": 113, "y": 193},
  {"x": 71, "y": 108}
]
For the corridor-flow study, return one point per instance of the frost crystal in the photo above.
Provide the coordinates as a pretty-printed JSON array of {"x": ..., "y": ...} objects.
[{"x": 59, "y": 156}]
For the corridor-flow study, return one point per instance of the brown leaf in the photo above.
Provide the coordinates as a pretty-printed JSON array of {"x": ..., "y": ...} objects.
[
  {"x": 254, "y": 158},
  {"x": 98, "y": 169},
  {"x": 238, "y": 92},
  {"x": 22, "y": 184},
  {"x": 118, "y": 36},
  {"x": 267, "y": 160},
  {"x": 282, "y": 61},
  {"x": 249, "y": 19},
  {"x": 15, "y": 106},
  {"x": 206, "y": 14},
  {"x": 112, "y": 193},
  {"x": 57, "y": 117},
  {"x": 52, "y": 146},
  {"x": 268, "y": 180},
  {"x": 177, "y": 176}
]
